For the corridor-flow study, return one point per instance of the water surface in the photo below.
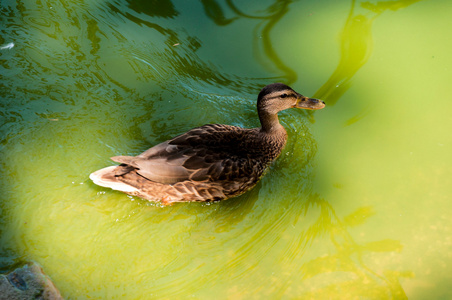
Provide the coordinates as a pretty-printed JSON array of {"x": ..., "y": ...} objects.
[{"x": 357, "y": 205}]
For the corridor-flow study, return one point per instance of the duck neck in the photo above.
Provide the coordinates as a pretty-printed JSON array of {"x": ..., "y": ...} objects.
[{"x": 270, "y": 123}]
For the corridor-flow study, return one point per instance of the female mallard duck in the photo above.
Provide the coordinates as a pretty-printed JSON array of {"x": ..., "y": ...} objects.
[{"x": 211, "y": 162}]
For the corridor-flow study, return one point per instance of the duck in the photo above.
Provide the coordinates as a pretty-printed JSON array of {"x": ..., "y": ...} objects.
[{"x": 208, "y": 163}]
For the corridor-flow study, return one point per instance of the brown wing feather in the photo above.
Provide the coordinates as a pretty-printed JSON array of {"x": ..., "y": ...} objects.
[{"x": 208, "y": 153}]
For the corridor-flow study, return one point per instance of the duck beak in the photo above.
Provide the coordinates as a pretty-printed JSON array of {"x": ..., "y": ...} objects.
[{"x": 309, "y": 103}]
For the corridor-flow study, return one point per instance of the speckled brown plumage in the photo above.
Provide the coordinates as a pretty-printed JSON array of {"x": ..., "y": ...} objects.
[{"x": 211, "y": 162}]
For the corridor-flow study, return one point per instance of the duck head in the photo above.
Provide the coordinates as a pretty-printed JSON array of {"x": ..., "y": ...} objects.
[{"x": 276, "y": 97}]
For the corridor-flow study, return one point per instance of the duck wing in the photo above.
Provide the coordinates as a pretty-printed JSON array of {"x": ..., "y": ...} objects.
[{"x": 207, "y": 153}]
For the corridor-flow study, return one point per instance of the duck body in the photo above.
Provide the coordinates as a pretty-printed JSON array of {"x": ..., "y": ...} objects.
[{"x": 208, "y": 163}]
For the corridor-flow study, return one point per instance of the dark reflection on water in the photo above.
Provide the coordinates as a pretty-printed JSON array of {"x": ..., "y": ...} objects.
[
  {"x": 137, "y": 20},
  {"x": 154, "y": 8},
  {"x": 177, "y": 57},
  {"x": 263, "y": 42},
  {"x": 214, "y": 11}
]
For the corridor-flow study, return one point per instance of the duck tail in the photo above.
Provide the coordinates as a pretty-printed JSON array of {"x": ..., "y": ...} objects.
[{"x": 107, "y": 177}]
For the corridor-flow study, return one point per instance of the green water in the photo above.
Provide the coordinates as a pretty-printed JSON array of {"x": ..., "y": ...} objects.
[{"x": 357, "y": 206}]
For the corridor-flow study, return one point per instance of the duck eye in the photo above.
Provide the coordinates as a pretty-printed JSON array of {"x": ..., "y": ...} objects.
[{"x": 284, "y": 96}]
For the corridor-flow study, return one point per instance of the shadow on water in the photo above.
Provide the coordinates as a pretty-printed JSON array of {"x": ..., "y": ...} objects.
[
  {"x": 186, "y": 60},
  {"x": 154, "y": 8},
  {"x": 355, "y": 45},
  {"x": 262, "y": 41},
  {"x": 214, "y": 11}
]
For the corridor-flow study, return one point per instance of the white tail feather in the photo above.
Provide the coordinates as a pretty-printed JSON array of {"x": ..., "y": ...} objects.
[{"x": 104, "y": 177}]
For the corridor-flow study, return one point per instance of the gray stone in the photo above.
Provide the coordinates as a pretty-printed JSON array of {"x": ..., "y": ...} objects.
[{"x": 26, "y": 283}]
